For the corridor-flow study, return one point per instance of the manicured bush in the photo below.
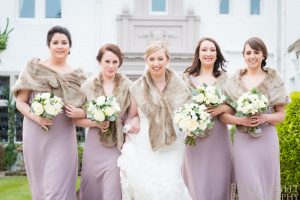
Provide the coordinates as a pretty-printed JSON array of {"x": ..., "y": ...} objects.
[
  {"x": 80, "y": 154},
  {"x": 289, "y": 139}
]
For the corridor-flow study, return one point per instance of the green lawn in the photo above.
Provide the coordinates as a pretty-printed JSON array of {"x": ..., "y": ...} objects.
[{"x": 16, "y": 188}]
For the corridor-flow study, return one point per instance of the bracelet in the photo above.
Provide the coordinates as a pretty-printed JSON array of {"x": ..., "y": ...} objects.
[{"x": 126, "y": 128}]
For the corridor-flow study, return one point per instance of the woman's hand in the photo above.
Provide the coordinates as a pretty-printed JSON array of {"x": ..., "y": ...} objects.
[
  {"x": 43, "y": 122},
  {"x": 74, "y": 112},
  {"x": 103, "y": 126},
  {"x": 135, "y": 125},
  {"x": 214, "y": 111},
  {"x": 260, "y": 119},
  {"x": 247, "y": 121}
]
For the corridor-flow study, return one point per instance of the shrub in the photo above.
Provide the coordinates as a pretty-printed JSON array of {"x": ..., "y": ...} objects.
[
  {"x": 289, "y": 139},
  {"x": 80, "y": 154}
]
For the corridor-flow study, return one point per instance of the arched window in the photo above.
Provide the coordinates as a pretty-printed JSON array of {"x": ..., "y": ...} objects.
[
  {"x": 255, "y": 7},
  {"x": 224, "y": 7}
]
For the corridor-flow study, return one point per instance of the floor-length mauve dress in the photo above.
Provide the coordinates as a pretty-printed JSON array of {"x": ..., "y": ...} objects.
[
  {"x": 208, "y": 168},
  {"x": 51, "y": 158},
  {"x": 99, "y": 169},
  {"x": 256, "y": 162},
  {"x": 256, "y": 159}
]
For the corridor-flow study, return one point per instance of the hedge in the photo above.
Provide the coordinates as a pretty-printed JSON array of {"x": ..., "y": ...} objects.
[{"x": 289, "y": 140}]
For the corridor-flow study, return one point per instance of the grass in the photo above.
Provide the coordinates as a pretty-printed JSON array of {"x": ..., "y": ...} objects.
[{"x": 17, "y": 188}]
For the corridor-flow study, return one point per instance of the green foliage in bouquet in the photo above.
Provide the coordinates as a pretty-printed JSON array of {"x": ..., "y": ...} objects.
[
  {"x": 289, "y": 139},
  {"x": 4, "y": 36}
]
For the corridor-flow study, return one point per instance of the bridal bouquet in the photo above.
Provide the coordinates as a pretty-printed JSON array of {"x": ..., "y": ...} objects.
[
  {"x": 249, "y": 104},
  {"x": 194, "y": 120},
  {"x": 47, "y": 106},
  {"x": 103, "y": 108},
  {"x": 208, "y": 95}
]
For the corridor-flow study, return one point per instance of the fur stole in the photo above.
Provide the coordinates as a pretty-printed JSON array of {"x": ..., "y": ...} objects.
[
  {"x": 93, "y": 88},
  {"x": 272, "y": 87},
  {"x": 159, "y": 107},
  {"x": 220, "y": 82},
  {"x": 39, "y": 78}
]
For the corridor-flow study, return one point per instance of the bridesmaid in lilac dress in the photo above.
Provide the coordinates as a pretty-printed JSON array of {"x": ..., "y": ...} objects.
[
  {"x": 256, "y": 159},
  {"x": 207, "y": 166},
  {"x": 100, "y": 177},
  {"x": 50, "y": 156}
]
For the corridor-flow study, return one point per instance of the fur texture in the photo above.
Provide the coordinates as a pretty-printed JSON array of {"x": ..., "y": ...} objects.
[
  {"x": 37, "y": 77},
  {"x": 220, "y": 82},
  {"x": 272, "y": 87},
  {"x": 93, "y": 88},
  {"x": 159, "y": 107}
]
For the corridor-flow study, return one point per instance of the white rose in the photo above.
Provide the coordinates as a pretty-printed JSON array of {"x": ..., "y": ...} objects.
[
  {"x": 109, "y": 111},
  {"x": 37, "y": 108},
  {"x": 46, "y": 95},
  {"x": 98, "y": 116},
  {"x": 100, "y": 100},
  {"x": 50, "y": 109},
  {"x": 116, "y": 107}
]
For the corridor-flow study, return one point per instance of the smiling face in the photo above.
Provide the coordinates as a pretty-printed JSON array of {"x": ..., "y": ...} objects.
[
  {"x": 207, "y": 53},
  {"x": 109, "y": 64},
  {"x": 59, "y": 46},
  {"x": 157, "y": 62},
  {"x": 252, "y": 57}
]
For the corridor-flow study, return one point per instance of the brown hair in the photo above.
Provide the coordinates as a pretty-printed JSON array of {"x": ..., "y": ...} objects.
[
  {"x": 61, "y": 30},
  {"x": 112, "y": 48},
  {"x": 258, "y": 45},
  {"x": 194, "y": 69}
]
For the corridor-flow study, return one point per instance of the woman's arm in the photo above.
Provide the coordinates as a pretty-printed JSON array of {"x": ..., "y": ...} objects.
[
  {"x": 272, "y": 118},
  {"x": 223, "y": 108},
  {"x": 24, "y": 108},
  {"x": 74, "y": 112},
  {"x": 227, "y": 118},
  {"x": 87, "y": 123},
  {"x": 133, "y": 117}
]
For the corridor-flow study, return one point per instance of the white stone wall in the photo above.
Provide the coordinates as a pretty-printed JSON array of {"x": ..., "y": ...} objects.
[{"x": 92, "y": 23}]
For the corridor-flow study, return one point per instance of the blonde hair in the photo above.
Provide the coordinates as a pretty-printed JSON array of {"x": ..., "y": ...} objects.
[{"x": 155, "y": 46}]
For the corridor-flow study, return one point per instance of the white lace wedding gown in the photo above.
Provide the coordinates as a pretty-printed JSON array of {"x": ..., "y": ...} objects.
[{"x": 152, "y": 175}]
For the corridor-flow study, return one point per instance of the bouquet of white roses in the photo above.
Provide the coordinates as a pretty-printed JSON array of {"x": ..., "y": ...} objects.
[
  {"x": 208, "y": 95},
  {"x": 194, "y": 120},
  {"x": 47, "y": 106},
  {"x": 103, "y": 108},
  {"x": 252, "y": 103}
]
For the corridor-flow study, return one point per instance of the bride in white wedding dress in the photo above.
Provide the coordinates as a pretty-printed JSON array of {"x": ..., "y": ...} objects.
[{"x": 151, "y": 160}]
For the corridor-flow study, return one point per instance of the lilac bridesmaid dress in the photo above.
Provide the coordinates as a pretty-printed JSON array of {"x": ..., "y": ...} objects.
[
  {"x": 207, "y": 167},
  {"x": 51, "y": 158},
  {"x": 257, "y": 165},
  {"x": 100, "y": 177}
]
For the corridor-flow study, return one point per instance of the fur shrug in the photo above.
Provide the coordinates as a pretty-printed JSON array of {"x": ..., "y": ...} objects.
[
  {"x": 159, "y": 107},
  {"x": 272, "y": 87},
  {"x": 220, "y": 81},
  {"x": 93, "y": 88},
  {"x": 37, "y": 77}
]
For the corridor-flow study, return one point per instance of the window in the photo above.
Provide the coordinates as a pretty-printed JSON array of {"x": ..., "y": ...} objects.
[
  {"x": 224, "y": 7},
  {"x": 4, "y": 87},
  {"x": 255, "y": 7},
  {"x": 40, "y": 9},
  {"x": 53, "y": 9},
  {"x": 158, "y": 6},
  {"x": 26, "y": 9}
]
